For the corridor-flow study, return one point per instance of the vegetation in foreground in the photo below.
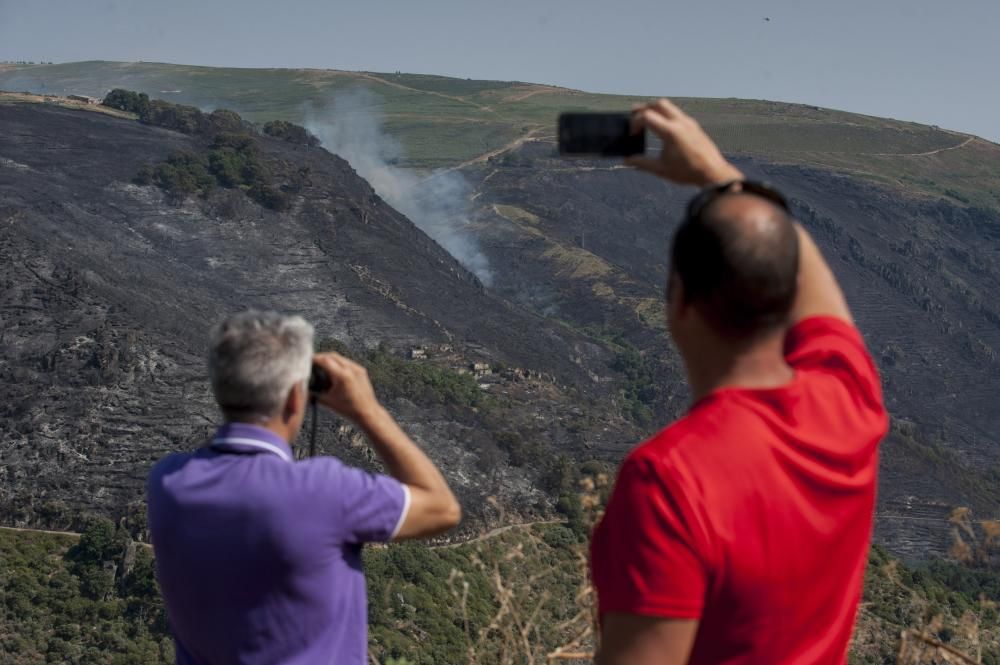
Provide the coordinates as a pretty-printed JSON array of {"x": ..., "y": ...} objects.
[
  {"x": 519, "y": 596},
  {"x": 64, "y": 600}
]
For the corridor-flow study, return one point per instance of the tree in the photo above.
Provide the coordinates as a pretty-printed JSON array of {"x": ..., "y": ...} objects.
[
  {"x": 269, "y": 197},
  {"x": 290, "y": 132},
  {"x": 178, "y": 117},
  {"x": 224, "y": 120},
  {"x": 93, "y": 559},
  {"x": 127, "y": 100}
]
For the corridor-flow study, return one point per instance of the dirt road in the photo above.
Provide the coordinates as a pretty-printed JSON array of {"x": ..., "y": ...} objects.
[{"x": 493, "y": 533}]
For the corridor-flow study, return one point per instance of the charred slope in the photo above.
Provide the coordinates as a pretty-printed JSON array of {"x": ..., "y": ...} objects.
[
  {"x": 588, "y": 242},
  {"x": 109, "y": 290}
]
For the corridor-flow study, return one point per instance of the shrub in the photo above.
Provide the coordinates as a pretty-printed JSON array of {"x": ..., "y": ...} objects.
[
  {"x": 640, "y": 390},
  {"x": 227, "y": 166},
  {"x": 233, "y": 162},
  {"x": 290, "y": 132},
  {"x": 126, "y": 100},
  {"x": 269, "y": 197},
  {"x": 224, "y": 120},
  {"x": 181, "y": 174},
  {"x": 422, "y": 382},
  {"x": 518, "y": 451},
  {"x": 180, "y": 118}
]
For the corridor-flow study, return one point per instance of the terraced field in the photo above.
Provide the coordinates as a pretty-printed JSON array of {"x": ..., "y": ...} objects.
[{"x": 444, "y": 122}]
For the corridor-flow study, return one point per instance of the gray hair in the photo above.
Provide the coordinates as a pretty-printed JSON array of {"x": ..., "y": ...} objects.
[{"x": 255, "y": 358}]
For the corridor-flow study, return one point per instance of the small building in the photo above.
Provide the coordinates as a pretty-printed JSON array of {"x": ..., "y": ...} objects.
[
  {"x": 418, "y": 353},
  {"x": 83, "y": 98},
  {"x": 481, "y": 369}
]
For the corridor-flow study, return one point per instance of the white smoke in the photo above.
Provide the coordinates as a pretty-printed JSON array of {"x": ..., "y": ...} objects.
[{"x": 351, "y": 126}]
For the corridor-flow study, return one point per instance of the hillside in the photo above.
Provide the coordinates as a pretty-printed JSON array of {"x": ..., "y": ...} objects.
[
  {"x": 109, "y": 288},
  {"x": 907, "y": 214},
  {"x": 445, "y": 122},
  {"x": 588, "y": 241}
]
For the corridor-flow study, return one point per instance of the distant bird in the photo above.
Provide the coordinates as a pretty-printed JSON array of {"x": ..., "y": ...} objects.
[{"x": 767, "y": 18}]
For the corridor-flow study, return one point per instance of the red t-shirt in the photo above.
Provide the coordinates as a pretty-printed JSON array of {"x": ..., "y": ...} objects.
[{"x": 753, "y": 512}]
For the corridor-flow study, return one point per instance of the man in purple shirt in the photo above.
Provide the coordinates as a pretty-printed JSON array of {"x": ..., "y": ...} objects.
[{"x": 259, "y": 556}]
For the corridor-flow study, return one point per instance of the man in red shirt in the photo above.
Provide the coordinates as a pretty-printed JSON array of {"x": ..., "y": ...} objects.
[{"x": 739, "y": 533}]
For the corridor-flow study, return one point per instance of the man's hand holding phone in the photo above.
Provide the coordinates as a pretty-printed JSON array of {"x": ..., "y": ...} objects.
[{"x": 689, "y": 156}]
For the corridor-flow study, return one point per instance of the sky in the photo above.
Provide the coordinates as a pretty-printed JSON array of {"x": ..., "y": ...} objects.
[{"x": 932, "y": 62}]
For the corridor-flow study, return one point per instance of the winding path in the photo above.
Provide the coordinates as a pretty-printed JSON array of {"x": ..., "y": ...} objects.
[
  {"x": 460, "y": 100},
  {"x": 513, "y": 145},
  {"x": 493, "y": 533},
  {"x": 71, "y": 534},
  {"x": 964, "y": 143}
]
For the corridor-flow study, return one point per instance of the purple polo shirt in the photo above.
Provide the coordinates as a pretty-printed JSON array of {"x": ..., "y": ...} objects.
[{"x": 259, "y": 557}]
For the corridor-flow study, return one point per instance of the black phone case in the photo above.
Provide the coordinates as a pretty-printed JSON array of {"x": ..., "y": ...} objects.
[{"x": 600, "y": 134}]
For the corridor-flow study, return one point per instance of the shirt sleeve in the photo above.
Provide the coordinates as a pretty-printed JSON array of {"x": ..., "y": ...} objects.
[
  {"x": 835, "y": 347},
  {"x": 373, "y": 506},
  {"x": 645, "y": 556}
]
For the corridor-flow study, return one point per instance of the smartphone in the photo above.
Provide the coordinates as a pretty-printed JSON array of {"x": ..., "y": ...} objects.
[{"x": 599, "y": 134}]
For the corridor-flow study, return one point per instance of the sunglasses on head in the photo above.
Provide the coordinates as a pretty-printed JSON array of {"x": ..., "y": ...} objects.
[{"x": 706, "y": 196}]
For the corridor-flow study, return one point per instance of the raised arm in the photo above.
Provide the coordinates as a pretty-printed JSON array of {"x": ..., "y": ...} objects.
[
  {"x": 433, "y": 508},
  {"x": 818, "y": 294},
  {"x": 690, "y": 157}
]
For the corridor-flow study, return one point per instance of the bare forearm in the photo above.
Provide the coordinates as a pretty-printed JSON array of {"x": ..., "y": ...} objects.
[
  {"x": 819, "y": 294},
  {"x": 403, "y": 459},
  {"x": 430, "y": 507},
  {"x": 720, "y": 173},
  {"x": 433, "y": 508}
]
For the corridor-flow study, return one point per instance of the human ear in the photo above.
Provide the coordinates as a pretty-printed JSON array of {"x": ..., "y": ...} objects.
[
  {"x": 294, "y": 403},
  {"x": 676, "y": 304}
]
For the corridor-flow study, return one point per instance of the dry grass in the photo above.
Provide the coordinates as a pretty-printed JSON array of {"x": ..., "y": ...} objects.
[
  {"x": 577, "y": 263},
  {"x": 918, "y": 647},
  {"x": 63, "y": 102},
  {"x": 515, "y": 214},
  {"x": 974, "y": 542},
  {"x": 515, "y": 623}
]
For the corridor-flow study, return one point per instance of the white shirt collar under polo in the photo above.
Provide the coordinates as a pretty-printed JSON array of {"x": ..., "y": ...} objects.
[{"x": 221, "y": 444}]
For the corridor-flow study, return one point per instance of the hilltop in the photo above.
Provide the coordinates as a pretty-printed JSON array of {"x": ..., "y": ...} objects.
[{"x": 447, "y": 122}]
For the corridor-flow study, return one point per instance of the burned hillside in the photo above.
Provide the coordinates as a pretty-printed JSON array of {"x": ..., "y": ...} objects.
[{"x": 109, "y": 288}]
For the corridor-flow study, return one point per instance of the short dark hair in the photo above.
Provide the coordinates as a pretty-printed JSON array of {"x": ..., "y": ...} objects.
[{"x": 739, "y": 266}]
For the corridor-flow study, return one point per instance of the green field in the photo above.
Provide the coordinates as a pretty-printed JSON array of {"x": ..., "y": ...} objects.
[{"x": 444, "y": 122}]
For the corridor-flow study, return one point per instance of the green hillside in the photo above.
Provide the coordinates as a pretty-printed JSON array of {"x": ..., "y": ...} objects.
[{"x": 445, "y": 122}]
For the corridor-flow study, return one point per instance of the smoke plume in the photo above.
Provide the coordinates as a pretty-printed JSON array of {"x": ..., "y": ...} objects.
[{"x": 351, "y": 126}]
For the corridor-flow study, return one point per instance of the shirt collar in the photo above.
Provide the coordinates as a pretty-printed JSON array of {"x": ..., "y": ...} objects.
[{"x": 247, "y": 438}]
